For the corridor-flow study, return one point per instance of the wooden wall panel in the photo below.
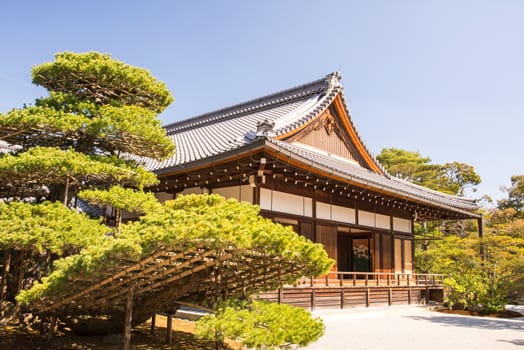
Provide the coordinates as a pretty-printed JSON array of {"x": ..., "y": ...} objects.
[
  {"x": 408, "y": 256},
  {"x": 307, "y": 230},
  {"x": 327, "y": 235},
  {"x": 330, "y": 143},
  {"x": 398, "y": 255},
  {"x": 376, "y": 258},
  {"x": 386, "y": 255}
]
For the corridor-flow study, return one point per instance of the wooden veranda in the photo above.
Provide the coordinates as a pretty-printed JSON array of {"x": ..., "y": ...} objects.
[{"x": 357, "y": 289}]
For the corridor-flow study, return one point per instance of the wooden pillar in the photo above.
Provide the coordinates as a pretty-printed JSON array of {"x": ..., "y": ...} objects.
[
  {"x": 129, "y": 317},
  {"x": 409, "y": 291},
  {"x": 169, "y": 329},
  {"x": 389, "y": 296},
  {"x": 153, "y": 324},
  {"x": 280, "y": 295},
  {"x": 368, "y": 301},
  {"x": 313, "y": 301},
  {"x": 342, "y": 298}
]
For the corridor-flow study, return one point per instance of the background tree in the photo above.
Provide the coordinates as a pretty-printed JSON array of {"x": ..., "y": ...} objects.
[
  {"x": 452, "y": 178},
  {"x": 483, "y": 273},
  {"x": 515, "y": 198}
]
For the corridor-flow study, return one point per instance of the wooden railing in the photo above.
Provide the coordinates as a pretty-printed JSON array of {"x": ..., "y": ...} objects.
[{"x": 370, "y": 279}]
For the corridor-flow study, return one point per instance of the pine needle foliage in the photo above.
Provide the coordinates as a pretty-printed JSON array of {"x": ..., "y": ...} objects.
[
  {"x": 208, "y": 221},
  {"x": 48, "y": 166},
  {"x": 47, "y": 227},
  {"x": 98, "y": 77},
  {"x": 122, "y": 198},
  {"x": 261, "y": 325}
]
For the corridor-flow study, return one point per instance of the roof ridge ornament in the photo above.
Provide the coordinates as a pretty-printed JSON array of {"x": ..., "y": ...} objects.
[
  {"x": 265, "y": 129},
  {"x": 333, "y": 79}
]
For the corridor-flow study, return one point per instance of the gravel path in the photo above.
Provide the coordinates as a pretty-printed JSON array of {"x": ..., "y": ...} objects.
[{"x": 415, "y": 327}]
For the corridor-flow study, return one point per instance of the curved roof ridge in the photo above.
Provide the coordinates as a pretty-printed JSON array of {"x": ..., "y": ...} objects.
[
  {"x": 364, "y": 144},
  {"x": 260, "y": 103},
  {"x": 323, "y": 102}
]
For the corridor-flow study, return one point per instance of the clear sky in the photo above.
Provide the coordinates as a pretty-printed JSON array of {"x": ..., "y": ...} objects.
[{"x": 445, "y": 78}]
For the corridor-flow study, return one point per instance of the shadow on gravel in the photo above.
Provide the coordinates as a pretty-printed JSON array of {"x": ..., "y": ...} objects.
[
  {"x": 515, "y": 342},
  {"x": 473, "y": 322}
]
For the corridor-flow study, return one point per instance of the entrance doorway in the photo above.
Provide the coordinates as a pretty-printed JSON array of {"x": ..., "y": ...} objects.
[
  {"x": 360, "y": 255},
  {"x": 354, "y": 252}
]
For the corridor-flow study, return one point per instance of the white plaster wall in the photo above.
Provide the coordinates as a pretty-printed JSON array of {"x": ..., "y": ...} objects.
[
  {"x": 336, "y": 213},
  {"x": 323, "y": 211},
  {"x": 192, "y": 190},
  {"x": 265, "y": 199},
  {"x": 163, "y": 196},
  {"x": 343, "y": 214},
  {"x": 402, "y": 225},
  {"x": 240, "y": 193},
  {"x": 366, "y": 218},
  {"x": 382, "y": 221},
  {"x": 285, "y": 202}
]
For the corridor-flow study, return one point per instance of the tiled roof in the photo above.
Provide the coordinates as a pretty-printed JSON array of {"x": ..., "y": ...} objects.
[
  {"x": 88, "y": 209},
  {"x": 6, "y": 147},
  {"x": 226, "y": 129},
  {"x": 234, "y": 128},
  {"x": 369, "y": 178}
]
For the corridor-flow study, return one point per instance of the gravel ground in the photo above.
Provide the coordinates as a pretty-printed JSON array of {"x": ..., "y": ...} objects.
[{"x": 415, "y": 327}]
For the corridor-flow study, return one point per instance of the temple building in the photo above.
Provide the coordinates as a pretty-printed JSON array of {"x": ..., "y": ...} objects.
[{"x": 297, "y": 154}]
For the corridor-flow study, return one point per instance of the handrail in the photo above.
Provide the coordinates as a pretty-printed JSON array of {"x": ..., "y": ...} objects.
[{"x": 369, "y": 279}]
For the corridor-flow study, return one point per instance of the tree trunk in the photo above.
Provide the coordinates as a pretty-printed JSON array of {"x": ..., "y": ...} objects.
[
  {"x": 20, "y": 280},
  {"x": 129, "y": 317},
  {"x": 118, "y": 217},
  {"x": 57, "y": 192},
  {"x": 5, "y": 273}
]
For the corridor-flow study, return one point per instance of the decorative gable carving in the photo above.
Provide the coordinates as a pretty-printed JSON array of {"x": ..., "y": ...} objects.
[{"x": 326, "y": 134}]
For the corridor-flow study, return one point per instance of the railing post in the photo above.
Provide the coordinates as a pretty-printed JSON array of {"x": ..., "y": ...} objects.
[
  {"x": 342, "y": 298},
  {"x": 341, "y": 279},
  {"x": 313, "y": 301},
  {"x": 367, "y": 297},
  {"x": 354, "y": 279},
  {"x": 366, "y": 279},
  {"x": 312, "y": 281},
  {"x": 327, "y": 280}
]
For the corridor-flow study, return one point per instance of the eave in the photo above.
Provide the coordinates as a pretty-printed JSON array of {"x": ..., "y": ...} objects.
[{"x": 236, "y": 165}]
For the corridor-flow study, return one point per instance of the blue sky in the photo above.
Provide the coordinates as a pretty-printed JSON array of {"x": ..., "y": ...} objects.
[{"x": 445, "y": 78}]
